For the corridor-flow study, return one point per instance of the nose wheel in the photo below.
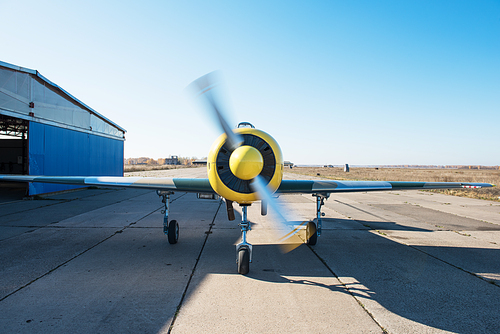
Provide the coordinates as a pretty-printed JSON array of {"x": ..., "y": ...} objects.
[
  {"x": 244, "y": 249},
  {"x": 243, "y": 261}
]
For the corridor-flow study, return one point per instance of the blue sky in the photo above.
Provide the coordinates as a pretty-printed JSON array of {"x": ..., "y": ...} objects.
[{"x": 359, "y": 82}]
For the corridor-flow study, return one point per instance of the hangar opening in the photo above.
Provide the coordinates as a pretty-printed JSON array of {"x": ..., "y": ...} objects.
[
  {"x": 44, "y": 130},
  {"x": 13, "y": 155},
  {"x": 13, "y": 145}
]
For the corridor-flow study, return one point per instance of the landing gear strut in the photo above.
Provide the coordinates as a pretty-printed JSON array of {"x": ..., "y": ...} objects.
[
  {"x": 171, "y": 229},
  {"x": 313, "y": 231},
  {"x": 244, "y": 249}
]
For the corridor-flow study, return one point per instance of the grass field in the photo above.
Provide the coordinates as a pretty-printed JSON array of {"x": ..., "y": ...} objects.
[
  {"x": 410, "y": 174},
  {"x": 141, "y": 168}
]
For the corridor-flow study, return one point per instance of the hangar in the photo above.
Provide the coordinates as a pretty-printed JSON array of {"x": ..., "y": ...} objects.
[{"x": 44, "y": 130}]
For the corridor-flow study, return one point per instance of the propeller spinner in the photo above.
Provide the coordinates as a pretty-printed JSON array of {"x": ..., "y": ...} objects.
[{"x": 246, "y": 162}]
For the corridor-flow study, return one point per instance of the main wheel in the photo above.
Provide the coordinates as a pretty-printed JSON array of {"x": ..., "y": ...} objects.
[
  {"x": 243, "y": 261},
  {"x": 173, "y": 232},
  {"x": 311, "y": 233}
]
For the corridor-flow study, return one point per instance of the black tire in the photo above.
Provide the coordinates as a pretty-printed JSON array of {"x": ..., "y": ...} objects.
[
  {"x": 312, "y": 233},
  {"x": 173, "y": 232},
  {"x": 243, "y": 261}
]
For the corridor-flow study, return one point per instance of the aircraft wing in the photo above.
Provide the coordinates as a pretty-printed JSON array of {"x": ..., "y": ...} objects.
[
  {"x": 203, "y": 185},
  {"x": 157, "y": 183},
  {"x": 331, "y": 186}
]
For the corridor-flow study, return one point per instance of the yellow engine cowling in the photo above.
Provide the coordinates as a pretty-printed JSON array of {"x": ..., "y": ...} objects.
[{"x": 260, "y": 155}]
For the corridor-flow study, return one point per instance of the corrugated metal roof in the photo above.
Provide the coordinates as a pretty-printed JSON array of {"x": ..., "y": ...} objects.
[{"x": 60, "y": 91}]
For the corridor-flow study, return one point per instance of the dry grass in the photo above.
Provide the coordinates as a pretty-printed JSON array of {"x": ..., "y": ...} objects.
[
  {"x": 142, "y": 168},
  {"x": 411, "y": 174}
]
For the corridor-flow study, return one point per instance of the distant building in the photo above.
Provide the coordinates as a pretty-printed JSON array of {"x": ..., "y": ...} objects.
[
  {"x": 199, "y": 162},
  {"x": 173, "y": 160}
]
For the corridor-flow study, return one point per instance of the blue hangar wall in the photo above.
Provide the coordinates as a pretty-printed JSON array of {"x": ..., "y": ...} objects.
[
  {"x": 65, "y": 136},
  {"x": 55, "y": 151}
]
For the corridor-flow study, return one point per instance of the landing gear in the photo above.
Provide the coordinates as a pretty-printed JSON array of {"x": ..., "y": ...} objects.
[
  {"x": 171, "y": 229},
  {"x": 311, "y": 233},
  {"x": 243, "y": 261},
  {"x": 244, "y": 249},
  {"x": 312, "y": 228},
  {"x": 173, "y": 232}
]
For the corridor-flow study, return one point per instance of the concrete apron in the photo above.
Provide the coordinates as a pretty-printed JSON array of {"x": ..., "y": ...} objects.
[
  {"x": 416, "y": 269},
  {"x": 106, "y": 271},
  {"x": 283, "y": 293},
  {"x": 116, "y": 274}
]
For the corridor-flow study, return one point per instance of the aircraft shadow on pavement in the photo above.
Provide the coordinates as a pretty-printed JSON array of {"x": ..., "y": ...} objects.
[
  {"x": 448, "y": 288},
  {"x": 432, "y": 285},
  {"x": 436, "y": 286},
  {"x": 353, "y": 224}
]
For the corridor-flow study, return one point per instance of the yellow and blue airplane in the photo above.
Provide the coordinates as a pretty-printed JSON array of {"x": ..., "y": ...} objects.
[{"x": 244, "y": 165}]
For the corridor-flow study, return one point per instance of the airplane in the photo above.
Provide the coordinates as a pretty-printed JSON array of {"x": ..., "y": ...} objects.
[{"x": 244, "y": 165}]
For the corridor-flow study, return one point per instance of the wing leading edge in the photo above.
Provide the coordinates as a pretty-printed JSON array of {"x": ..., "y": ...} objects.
[
  {"x": 157, "y": 183},
  {"x": 327, "y": 186},
  {"x": 203, "y": 185}
]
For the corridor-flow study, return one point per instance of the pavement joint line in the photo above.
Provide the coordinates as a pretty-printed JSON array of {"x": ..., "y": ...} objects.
[
  {"x": 43, "y": 206},
  {"x": 347, "y": 289},
  {"x": 416, "y": 248},
  {"x": 352, "y": 206},
  {"x": 61, "y": 201},
  {"x": 193, "y": 271},
  {"x": 70, "y": 200},
  {"x": 83, "y": 227},
  {"x": 450, "y": 264},
  {"x": 88, "y": 249},
  {"x": 449, "y": 213},
  {"x": 17, "y": 201}
]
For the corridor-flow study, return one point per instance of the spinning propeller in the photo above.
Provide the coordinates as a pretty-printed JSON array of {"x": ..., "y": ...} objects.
[{"x": 247, "y": 166}]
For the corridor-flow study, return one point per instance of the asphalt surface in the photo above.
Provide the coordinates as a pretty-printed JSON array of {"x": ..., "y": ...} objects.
[{"x": 96, "y": 261}]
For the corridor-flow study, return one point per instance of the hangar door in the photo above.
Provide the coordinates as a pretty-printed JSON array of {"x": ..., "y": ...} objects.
[{"x": 13, "y": 145}]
